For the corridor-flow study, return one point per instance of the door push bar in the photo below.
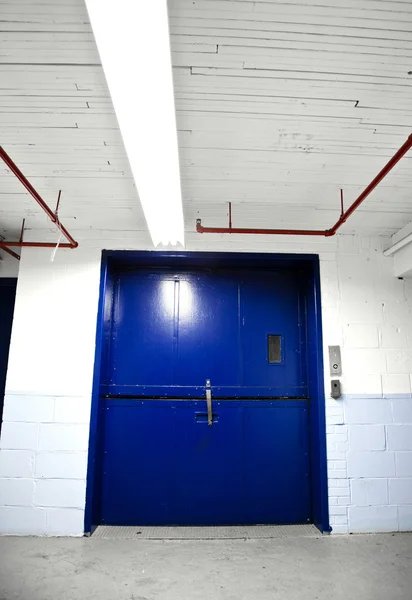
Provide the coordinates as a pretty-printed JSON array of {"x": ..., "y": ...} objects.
[{"x": 209, "y": 403}]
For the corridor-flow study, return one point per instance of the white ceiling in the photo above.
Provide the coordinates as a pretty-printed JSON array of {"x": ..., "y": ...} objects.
[{"x": 279, "y": 105}]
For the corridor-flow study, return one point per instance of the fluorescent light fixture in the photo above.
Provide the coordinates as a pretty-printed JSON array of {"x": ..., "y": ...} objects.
[{"x": 132, "y": 37}]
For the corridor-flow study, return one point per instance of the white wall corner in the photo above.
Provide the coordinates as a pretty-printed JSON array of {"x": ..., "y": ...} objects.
[{"x": 401, "y": 249}]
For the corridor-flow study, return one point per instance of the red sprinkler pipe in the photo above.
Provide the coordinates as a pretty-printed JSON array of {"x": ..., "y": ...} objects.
[
  {"x": 9, "y": 251},
  {"x": 71, "y": 243},
  {"x": 35, "y": 245},
  {"x": 320, "y": 232}
]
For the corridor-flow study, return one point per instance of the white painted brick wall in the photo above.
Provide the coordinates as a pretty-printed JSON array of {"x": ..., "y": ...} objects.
[
  {"x": 400, "y": 491},
  {"x": 399, "y": 437},
  {"x": 405, "y": 518},
  {"x": 363, "y": 411},
  {"x": 17, "y": 463},
  {"x": 367, "y": 437},
  {"x": 57, "y": 437},
  {"x": 64, "y": 493},
  {"x": 403, "y": 464},
  {"x": 29, "y": 409},
  {"x": 18, "y": 436},
  {"x": 64, "y": 521},
  {"x": 45, "y": 481},
  {"x": 370, "y": 518},
  {"x": 24, "y": 520},
  {"x": 371, "y": 464},
  {"x": 366, "y": 310},
  {"x": 369, "y": 492},
  {"x": 16, "y": 492},
  {"x": 396, "y": 384},
  {"x": 72, "y": 410},
  {"x": 402, "y": 411},
  {"x": 58, "y": 465}
]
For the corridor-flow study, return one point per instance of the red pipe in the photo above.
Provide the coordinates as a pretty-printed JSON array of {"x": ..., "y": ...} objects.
[
  {"x": 53, "y": 216},
  {"x": 34, "y": 244},
  {"x": 324, "y": 232},
  {"x": 9, "y": 251}
]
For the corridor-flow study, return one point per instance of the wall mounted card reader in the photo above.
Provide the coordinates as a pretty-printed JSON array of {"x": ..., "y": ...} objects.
[{"x": 335, "y": 388}]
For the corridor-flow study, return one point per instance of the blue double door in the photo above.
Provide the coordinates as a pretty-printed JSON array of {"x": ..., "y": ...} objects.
[{"x": 166, "y": 460}]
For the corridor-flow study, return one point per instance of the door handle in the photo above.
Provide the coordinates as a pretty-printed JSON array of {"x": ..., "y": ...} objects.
[
  {"x": 209, "y": 403},
  {"x": 202, "y": 418}
]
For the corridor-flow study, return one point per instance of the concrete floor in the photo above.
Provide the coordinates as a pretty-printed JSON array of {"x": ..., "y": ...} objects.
[{"x": 370, "y": 567}]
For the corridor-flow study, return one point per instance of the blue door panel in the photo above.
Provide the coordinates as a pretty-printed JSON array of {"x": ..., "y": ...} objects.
[
  {"x": 209, "y": 482},
  {"x": 143, "y": 330},
  {"x": 276, "y": 459},
  {"x": 271, "y": 306},
  {"x": 208, "y": 331},
  {"x": 138, "y": 460},
  {"x": 163, "y": 465}
]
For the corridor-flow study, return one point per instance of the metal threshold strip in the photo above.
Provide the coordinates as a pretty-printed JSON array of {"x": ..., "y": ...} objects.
[{"x": 232, "y": 532}]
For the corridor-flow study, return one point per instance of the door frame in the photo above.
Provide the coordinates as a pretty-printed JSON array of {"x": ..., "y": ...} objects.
[{"x": 309, "y": 266}]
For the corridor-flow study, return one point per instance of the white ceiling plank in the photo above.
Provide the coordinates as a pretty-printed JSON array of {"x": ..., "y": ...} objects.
[
  {"x": 279, "y": 105},
  {"x": 360, "y": 6}
]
